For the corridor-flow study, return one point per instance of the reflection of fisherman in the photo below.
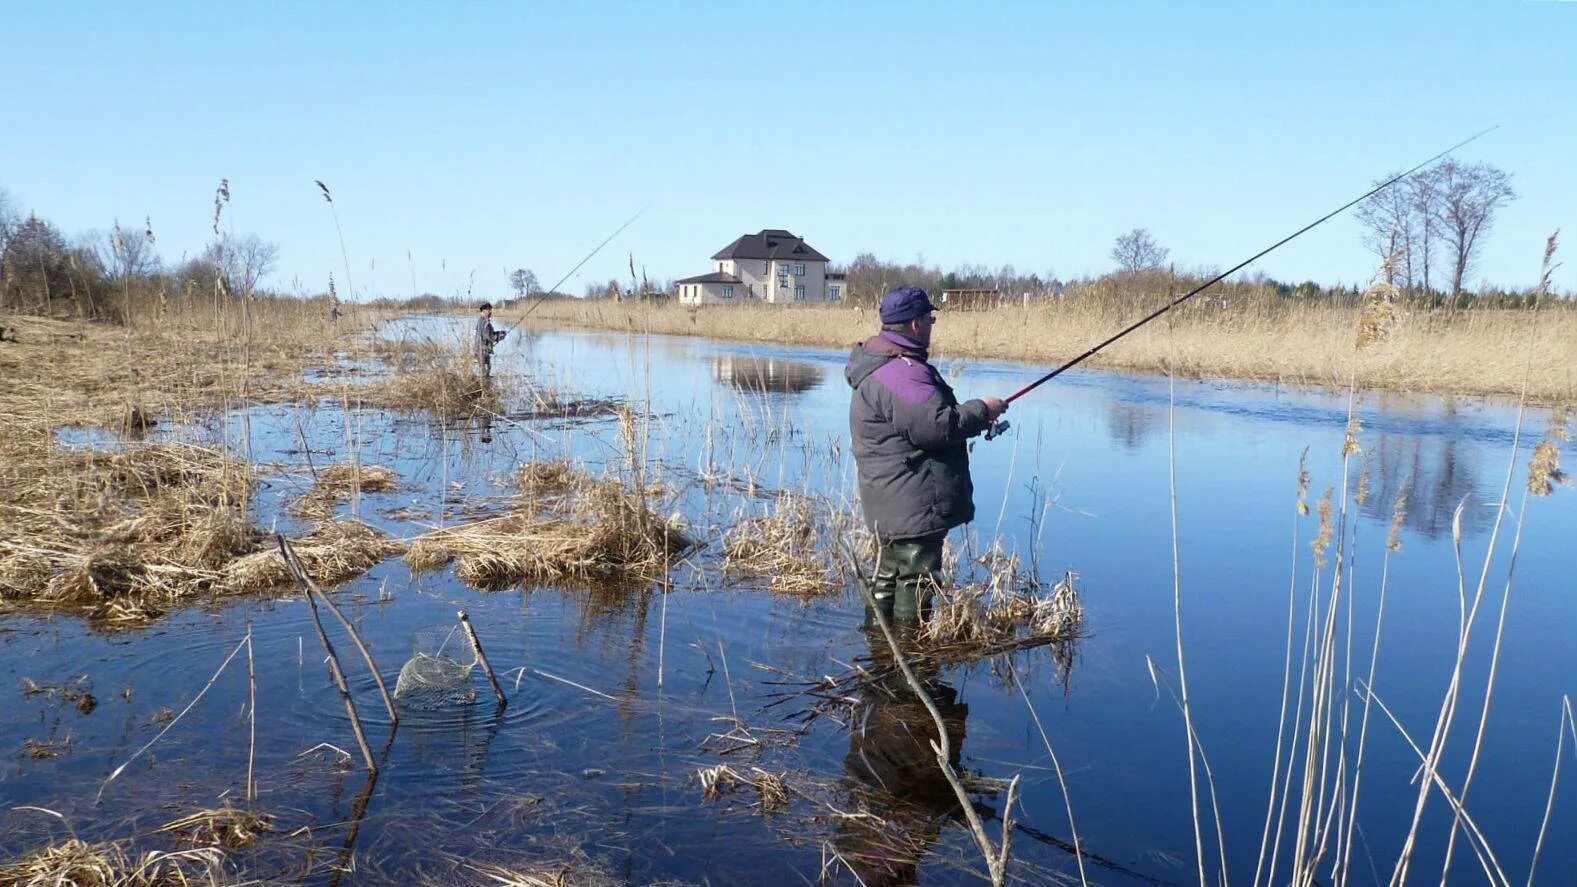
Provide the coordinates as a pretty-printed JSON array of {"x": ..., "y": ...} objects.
[
  {"x": 486, "y": 337},
  {"x": 909, "y": 435},
  {"x": 894, "y": 771}
]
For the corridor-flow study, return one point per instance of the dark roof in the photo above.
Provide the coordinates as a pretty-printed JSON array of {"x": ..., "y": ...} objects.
[
  {"x": 714, "y": 277},
  {"x": 770, "y": 243},
  {"x": 837, "y": 275}
]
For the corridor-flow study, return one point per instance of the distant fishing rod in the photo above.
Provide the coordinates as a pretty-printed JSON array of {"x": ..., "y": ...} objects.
[
  {"x": 554, "y": 287},
  {"x": 999, "y": 427}
]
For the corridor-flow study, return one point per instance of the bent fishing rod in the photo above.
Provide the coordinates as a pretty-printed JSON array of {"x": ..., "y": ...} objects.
[
  {"x": 999, "y": 427},
  {"x": 554, "y": 287}
]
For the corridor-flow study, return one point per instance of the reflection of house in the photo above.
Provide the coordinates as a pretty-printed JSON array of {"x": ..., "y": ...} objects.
[
  {"x": 765, "y": 373},
  {"x": 771, "y": 266}
]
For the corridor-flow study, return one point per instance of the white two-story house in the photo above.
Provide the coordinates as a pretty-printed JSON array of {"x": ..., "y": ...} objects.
[{"x": 772, "y": 266}]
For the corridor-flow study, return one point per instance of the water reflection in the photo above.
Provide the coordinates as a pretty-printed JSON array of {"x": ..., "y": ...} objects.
[
  {"x": 892, "y": 774},
  {"x": 762, "y": 374},
  {"x": 1436, "y": 476},
  {"x": 1130, "y": 424}
]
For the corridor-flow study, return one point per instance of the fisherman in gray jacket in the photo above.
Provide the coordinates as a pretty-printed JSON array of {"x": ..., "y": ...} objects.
[
  {"x": 484, "y": 340},
  {"x": 909, "y": 434}
]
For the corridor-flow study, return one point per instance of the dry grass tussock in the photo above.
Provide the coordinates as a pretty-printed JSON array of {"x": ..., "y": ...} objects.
[
  {"x": 782, "y": 549},
  {"x": 1007, "y": 606},
  {"x": 334, "y": 552},
  {"x": 224, "y": 827},
  {"x": 563, "y": 524},
  {"x": 435, "y": 377},
  {"x": 117, "y": 533},
  {"x": 772, "y": 793},
  {"x": 119, "y": 536},
  {"x": 1472, "y": 352},
  {"x": 80, "y": 864},
  {"x": 335, "y": 484}
]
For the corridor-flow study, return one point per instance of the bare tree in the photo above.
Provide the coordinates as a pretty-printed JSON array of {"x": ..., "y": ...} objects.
[
  {"x": 9, "y": 220},
  {"x": 243, "y": 262},
  {"x": 524, "y": 282},
  {"x": 1137, "y": 251},
  {"x": 1424, "y": 194},
  {"x": 126, "y": 254},
  {"x": 1390, "y": 221},
  {"x": 1469, "y": 196}
]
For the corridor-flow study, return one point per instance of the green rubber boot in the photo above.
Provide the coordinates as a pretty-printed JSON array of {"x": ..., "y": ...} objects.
[{"x": 914, "y": 565}]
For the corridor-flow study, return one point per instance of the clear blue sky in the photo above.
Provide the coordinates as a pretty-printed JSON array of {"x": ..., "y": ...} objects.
[{"x": 485, "y": 136}]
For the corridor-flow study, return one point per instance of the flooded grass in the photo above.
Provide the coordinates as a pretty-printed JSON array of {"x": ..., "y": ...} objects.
[
  {"x": 563, "y": 525},
  {"x": 661, "y": 700}
]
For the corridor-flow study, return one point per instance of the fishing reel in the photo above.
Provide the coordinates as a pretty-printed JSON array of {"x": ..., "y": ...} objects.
[{"x": 997, "y": 429}]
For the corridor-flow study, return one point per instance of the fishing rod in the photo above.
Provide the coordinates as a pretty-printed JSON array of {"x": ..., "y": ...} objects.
[
  {"x": 999, "y": 427},
  {"x": 554, "y": 287}
]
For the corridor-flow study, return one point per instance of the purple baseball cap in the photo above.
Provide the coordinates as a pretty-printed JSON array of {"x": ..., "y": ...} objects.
[{"x": 905, "y": 304}]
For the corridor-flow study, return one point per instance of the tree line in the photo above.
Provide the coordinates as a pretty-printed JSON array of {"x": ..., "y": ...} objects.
[{"x": 97, "y": 274}]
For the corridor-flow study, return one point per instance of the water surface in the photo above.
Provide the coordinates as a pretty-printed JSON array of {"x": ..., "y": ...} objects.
[{"x": 601, "y": 761}]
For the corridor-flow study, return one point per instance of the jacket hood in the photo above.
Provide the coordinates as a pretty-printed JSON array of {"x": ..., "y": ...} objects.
[{"x": 872, "y": 354}]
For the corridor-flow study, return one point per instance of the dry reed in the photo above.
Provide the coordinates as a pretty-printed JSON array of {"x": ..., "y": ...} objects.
[
  {"x": 1007, "y": 605},
  {"x": 143, "y": 526},
  {"x": 563, "y": 524},
  {"x": 772, "y": 793},
  {"x": 334, "y": 552},
  {"x": 78, "y": 863},
  {"x": 781, "y": 548},
  {"x": 224, "y": 827},
  {"x": 1255, "y": 339},
  {"x": 336, "y": 483}
]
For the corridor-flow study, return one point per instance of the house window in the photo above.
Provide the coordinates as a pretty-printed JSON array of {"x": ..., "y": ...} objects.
[
  {"x": 728, "y": 291},
  {"x": 799, "y": 269},
  {"x": 799, "y": 294},
  {"x": 834, "y": 292}
]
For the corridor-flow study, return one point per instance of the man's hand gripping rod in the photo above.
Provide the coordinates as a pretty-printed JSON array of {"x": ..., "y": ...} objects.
[{"x": 997, "y": 428}]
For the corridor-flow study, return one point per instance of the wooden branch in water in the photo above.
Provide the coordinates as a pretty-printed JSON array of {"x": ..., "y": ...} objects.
[
  {"x": 996, "y": 859},
  {"x": 487, "y": 668},
  {"x": 355, "y": 638},
  {"x": 296, "y": 570}
]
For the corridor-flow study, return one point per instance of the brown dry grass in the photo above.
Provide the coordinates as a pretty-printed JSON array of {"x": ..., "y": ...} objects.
[
  {"x": 335, "y": 484},
  {"x": 563, "y": 524},
  {"x": 80, "y": 864},
  {"x": 224, "y": 827},
  {"x": 781, "y": 548},
  {"x": 117, "y": 534},
  {"x": 1007, "y": 605},
  {"x": 334, "y": 552},
  {"x": 1471, "y": 352}
]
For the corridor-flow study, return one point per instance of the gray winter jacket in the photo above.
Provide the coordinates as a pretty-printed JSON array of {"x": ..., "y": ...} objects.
[
  {"x": 909, "y": 435},
  {"x": 485, "y": 337}
]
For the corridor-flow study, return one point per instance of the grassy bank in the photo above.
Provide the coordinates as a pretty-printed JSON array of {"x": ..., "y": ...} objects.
[{"x": 1473, "y": 352}]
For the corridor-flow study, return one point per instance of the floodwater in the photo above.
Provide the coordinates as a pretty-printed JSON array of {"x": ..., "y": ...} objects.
[{"x": 619, "y": 696}]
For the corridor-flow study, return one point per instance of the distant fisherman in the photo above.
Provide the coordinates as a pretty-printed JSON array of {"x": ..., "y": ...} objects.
[
  {"x": 486, "y": 337},
  {"x": 909, "y": 435}
]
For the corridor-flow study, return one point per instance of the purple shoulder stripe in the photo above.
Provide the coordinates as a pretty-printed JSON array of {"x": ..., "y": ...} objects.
[{"x": 908, "y": 379}]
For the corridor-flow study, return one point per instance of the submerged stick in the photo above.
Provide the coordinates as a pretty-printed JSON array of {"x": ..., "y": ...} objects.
[
  {"x": 355, "y": 638},
  {"x": 296, "y": 570},
  {"x": 251, "y": 711},
  {"x": 487, "y": 668},
  {"x": 173, "y": 721}
]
